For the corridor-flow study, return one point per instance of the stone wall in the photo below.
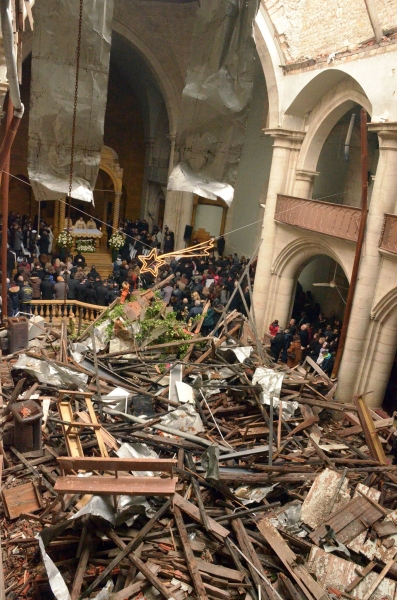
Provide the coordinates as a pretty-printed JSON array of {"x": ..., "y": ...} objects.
[{"x": 311, "y": 28}]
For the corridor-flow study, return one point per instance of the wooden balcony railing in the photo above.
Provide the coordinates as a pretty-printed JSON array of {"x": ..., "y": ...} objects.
[
  {"x": 388, "y": 237},
  {"x": 52, "y": 310},
  {"x": 332, "y": 219}
]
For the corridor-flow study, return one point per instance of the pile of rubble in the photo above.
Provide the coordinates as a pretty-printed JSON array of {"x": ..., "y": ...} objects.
[{"x": 143, "y": 460}]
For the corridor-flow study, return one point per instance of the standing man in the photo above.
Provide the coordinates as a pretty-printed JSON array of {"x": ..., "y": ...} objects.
[{"x": 25, "y": 298}]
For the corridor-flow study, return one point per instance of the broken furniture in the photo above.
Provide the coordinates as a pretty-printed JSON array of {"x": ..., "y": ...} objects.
[
  {"x": 27, "y": 425},
  {"x": 18, "y": 331},
  {"x": 129, "y": 485},
  {"x": 72, "y": 428}
]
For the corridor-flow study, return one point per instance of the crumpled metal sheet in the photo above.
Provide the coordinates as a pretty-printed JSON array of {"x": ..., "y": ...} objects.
[
  {"x": 47, "y": 373},
  {"x": 270, "y": 382},
  {"x": 52, "y": 96},
  {"x": 216, "y": 99},
  {"x": 210, "y": 462}
]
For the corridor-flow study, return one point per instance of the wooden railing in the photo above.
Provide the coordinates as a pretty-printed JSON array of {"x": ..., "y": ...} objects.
[
  {"x": 56, "y": 309},
  {"x": 332, "y": 219},
  {"x": 388, "y": 238}
]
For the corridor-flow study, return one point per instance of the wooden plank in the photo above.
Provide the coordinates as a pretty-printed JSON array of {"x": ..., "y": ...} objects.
[
  {"x": 230, "y": 574},
  {"x": 81, "y": 567},
  {"x": 141, "y": 566},
  {"x": 190, "y": 558},
  {"x": 88, "y": 463},
  {"x": 360, "y": 577},
  {"x": 194, "y": 513},
  {"x": 307, "y": 423},
  {"x": 72, "y": 439},
  {"x": 332, "y": 571},
  {"x": 109, "y": 440},
  {"x": 21, "y": 499},
  {"x": 97, "y": 432},
  {"x": 131, "y": 590},
  {"x": 371, "y": 437},
  {"x": 299, "y": 572},
  {"x": 2, "y": 586},
  {"x": 132, "y": 486},
  {"x": 129, "y": 548},
  {"x": 379, "y": 579},
  {"x": 354, "y": 518},
  {"x": 216, "y": 592}
]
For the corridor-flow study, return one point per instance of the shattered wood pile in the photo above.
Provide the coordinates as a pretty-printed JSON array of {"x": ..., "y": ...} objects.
[{"x": 134, "y": 467}]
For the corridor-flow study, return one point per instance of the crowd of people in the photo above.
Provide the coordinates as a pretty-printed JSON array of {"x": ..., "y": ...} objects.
[
  {"x": 42, "y": 273},
  {"x": 46, "y": 273},
  {"x": 317, "y": 337}
]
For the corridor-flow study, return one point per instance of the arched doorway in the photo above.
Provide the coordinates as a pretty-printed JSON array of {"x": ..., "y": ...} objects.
[{"x": 321, "y": 286}]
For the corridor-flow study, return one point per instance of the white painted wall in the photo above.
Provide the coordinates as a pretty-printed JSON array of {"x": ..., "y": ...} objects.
[
  {"x": 252, "y": 175},
  {"x": 339, "y": 181},
  {"x": 208, "y": 218}
]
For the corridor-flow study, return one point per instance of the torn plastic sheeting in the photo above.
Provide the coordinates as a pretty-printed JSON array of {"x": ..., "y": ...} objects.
[
  {"x": 137, "y": 451},
  {"x": 216, "y": 99},
  {"x": 182, "y": 179},
  {"x": 96, "y": 506},
  {"x": 118, "y": 399},
  {"x": 52, "y": 96},
  {"x": 57, "y": 583},
  {"x": 130, "y": 507},
  {"x": 270, "y": 382},
  {"x": 46, "y": 373},
  {"x": 210, "y": 462},
  {"x": 185, "y": 419},
  {"x": 241, "y": 353}
]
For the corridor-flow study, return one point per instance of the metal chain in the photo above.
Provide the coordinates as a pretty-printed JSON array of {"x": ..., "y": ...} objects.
[{"x": 72, "y": 147}]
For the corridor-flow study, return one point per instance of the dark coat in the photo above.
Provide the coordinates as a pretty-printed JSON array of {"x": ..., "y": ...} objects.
[
  {"x": 72, "y": 284},
  {"x": 277, "y": 345},
  {"x": 47, "y": 289}
]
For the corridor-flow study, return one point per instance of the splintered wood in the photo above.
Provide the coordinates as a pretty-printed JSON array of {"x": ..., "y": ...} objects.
[{"x": 193, "y": 468}]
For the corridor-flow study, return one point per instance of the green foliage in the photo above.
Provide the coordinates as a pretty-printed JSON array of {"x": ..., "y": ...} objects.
[{"x": 174, "y": 328}]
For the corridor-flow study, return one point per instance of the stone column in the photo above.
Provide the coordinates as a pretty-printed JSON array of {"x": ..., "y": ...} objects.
[
  {"x": 149, "y": 143},
  {"x": 55, "y": 228},
  {"x": 104, "y": 237},
  {"x": 284, "y": 142},
  {"x": 351, "y": 377},
  {"x": 304, "y": 183},
  {"x": 116, "y": 210},
  {"x": 62, "y": 212}
]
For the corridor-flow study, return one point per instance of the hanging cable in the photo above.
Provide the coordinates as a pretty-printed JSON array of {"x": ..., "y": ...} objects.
[{"x": 72, "y": 147}]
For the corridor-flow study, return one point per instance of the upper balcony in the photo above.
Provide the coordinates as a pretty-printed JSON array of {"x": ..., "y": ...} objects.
[
  {"x": 323, "y": 217},
  {"x": 388, "y": 237}
]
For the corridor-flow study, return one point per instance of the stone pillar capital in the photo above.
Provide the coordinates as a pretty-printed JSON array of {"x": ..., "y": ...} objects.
[
  {"x": 305, "y": 175},
  {"x": 387, "y": 134},
  {"x": 286, "y": 138}
]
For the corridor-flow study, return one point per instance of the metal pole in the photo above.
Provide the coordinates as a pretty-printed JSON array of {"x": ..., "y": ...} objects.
[
  {"x": 360, "y": 240},
  {"x": 5, "y": 152}
]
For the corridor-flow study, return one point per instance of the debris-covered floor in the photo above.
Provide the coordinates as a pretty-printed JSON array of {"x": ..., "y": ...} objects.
[{"x": 141, "y": 460}]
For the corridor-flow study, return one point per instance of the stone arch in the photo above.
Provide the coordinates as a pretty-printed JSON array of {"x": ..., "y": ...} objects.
[
  {"x": 170, "y": 94},
  {"x": 386, "y": 307},
  {"x": 168, "y": 88},
  {"x": 324, "y": 117},
  {"x": 297, "y": 254},
  {"x": 110, "y": 164},
  {"x": 322, "y": 121},
  {"x": 286, "y": 268},
  {"x": 271, "y": 56}
]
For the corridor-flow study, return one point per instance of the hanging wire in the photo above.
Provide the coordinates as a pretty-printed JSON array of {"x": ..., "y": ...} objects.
[{"x": 72, "y": 148}]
